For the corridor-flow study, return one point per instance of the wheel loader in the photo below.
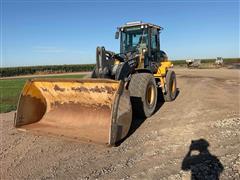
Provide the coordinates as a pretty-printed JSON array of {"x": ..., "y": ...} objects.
[{"x": 100, "y": 109}]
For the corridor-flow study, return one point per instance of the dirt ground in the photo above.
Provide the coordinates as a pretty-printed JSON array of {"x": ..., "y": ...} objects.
[{"x": 206, "y": 111}]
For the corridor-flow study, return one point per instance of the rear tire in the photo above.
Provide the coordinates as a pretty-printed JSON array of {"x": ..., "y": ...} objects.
[
  {"x": 171, "y": 86},
  {"x": 143, "y": 94},
  {"x": 93, "y": 74}
]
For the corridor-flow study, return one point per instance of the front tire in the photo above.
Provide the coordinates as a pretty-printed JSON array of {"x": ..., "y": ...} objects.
[
  {"x": 143, "y": 94},
  {"x": 171, "y": 86}
]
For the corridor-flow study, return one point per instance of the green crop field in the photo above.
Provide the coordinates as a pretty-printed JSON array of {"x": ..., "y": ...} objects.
[{"x": 10, "y": 90}]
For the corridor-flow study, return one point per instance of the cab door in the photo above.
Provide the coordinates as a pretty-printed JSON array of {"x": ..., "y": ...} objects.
[{"x": 154, "y": 59}]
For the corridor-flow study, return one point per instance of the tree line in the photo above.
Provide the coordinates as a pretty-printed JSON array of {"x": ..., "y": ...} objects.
[{"x": 49, "y": 69}]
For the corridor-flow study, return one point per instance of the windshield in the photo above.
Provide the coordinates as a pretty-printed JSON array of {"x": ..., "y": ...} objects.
[{"x": 132, "y": 38}]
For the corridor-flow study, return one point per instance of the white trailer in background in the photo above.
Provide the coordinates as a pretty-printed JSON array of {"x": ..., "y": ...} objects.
[
  {"x": 219, "y": 61},
  {"x": 193, "y": 63}
]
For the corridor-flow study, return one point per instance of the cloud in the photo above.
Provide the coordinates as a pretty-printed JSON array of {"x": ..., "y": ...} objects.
[{"x": 47, "y": 49}]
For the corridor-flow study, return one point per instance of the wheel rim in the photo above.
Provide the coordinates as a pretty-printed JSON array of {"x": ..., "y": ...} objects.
[
  {"x": 150, "y": 95},
  {"x": 173, "y": 86}
]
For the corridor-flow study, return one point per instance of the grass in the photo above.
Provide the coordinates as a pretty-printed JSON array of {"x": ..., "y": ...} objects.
[{"x": 10, "y": 90}]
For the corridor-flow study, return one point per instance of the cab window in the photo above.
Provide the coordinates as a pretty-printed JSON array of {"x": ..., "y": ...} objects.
[{"x": 154, "y": 36}]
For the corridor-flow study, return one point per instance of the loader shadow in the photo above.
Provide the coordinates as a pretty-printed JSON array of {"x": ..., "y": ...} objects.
[
  {"x": 137, "y": 121},
  {"x": 203, "y": 165}
]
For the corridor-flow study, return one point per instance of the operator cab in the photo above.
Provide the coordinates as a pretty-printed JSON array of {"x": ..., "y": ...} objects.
[{"x": 141, "y": 38}]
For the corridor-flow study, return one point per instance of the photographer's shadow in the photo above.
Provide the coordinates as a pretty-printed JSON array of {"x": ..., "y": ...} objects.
[{"x": 203, "y": 165}]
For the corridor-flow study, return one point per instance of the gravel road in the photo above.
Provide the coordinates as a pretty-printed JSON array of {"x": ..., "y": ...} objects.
[{"x": 197, "y": 135}]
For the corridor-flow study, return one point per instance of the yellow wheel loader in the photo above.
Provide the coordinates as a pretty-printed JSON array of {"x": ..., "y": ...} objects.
[{"x": 99, "y": 109}]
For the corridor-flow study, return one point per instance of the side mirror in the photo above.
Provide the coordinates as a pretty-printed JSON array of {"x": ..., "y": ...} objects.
[{"x": 117, "y": 35}]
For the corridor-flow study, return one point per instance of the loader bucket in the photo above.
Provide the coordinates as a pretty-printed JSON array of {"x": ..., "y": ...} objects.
[{"x": 93, "y": 110}]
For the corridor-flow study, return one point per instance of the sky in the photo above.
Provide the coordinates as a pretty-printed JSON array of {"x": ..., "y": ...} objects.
[{"x": 49, "y": 32}]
